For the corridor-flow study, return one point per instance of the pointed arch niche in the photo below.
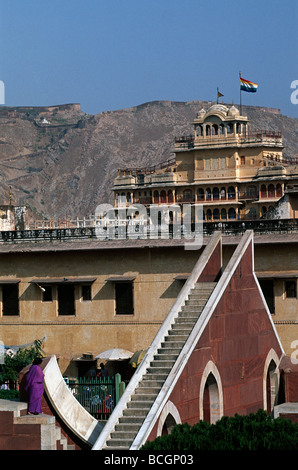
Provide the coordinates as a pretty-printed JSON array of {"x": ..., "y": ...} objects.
[
  {"x": 270, "y": 381},
  {"x": 211, "y": 395},
  {"x": 169, "y": 418}
]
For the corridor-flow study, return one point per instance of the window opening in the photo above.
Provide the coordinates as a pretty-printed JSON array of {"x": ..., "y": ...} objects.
[
  {"x": 47, "y": 293},
  {"x": 211, "y": 400},
  {"x": 66, "y": 299},
  {"x": 291, "y": 289},
  {"x": 267, "y": 287},
  {"x": 86, "y": 292},
  {"x": 10, "y": 299},
  {"x": 124, "y": 298}
]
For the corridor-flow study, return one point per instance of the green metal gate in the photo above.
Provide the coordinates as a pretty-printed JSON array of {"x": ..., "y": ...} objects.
[{"x": 98, "y": 397}]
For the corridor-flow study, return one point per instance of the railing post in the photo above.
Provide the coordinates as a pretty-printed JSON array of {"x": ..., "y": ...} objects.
[
  {"x": 117, "y": 387},
  {"x": 121, "y": 388}
]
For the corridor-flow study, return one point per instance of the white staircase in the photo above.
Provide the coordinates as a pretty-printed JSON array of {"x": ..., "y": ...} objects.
[{"x": 160, "y": 366}]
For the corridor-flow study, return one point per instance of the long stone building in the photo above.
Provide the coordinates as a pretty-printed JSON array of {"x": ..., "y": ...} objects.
[{"x": 86, "y": 295}]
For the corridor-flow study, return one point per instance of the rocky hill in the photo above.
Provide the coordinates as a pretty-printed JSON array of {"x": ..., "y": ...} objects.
[{"x": 60, "y": 161}]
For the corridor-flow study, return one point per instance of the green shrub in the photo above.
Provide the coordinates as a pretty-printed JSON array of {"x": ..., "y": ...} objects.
[
  {"x": 250, "y": 432},
  {"x": 13, "y": 364},
  {"x": 9, "y": 394}
]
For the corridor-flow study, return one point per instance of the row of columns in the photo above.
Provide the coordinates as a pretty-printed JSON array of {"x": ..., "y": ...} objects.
[
  {"x": 209, "y": 129},
  {"x": 202, "y": 194}
]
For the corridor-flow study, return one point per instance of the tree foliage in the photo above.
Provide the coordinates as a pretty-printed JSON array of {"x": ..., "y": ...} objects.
[
  {"x": 257, "y": 431},
  {"x": 14, "y": 363}
]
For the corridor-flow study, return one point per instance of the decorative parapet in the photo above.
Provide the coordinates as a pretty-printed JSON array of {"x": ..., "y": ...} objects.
[{"x": 251, "y": 139}]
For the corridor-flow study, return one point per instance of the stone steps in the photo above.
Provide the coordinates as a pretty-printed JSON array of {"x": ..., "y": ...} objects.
[
  {"x": 51, "y": 437},
  {"x": 125, "y": 431}
]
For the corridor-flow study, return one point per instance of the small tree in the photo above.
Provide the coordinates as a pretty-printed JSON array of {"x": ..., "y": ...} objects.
[
  {"x": 256, "y": 431},
  {"x": 14, "y": 363}
]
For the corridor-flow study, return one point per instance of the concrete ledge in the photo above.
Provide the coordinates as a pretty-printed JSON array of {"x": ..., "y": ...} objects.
[
  {"x": 15, "y": 406},
  {"x": 35, "y": 419},
  {"x": 284, "y": 409}
]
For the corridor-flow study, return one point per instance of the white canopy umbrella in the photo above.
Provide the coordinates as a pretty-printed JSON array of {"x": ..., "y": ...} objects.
[{"x": 114, "y": 354}]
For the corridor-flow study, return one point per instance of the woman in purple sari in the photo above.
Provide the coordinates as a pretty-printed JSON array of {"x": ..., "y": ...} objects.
[{"x": 34, "y": 385}]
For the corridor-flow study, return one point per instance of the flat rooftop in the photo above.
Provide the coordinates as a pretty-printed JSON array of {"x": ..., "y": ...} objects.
[{"x": 91, "y": 243}]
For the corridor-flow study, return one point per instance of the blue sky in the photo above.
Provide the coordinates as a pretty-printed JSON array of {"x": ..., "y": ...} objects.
[{"x": 115, "y": 54}]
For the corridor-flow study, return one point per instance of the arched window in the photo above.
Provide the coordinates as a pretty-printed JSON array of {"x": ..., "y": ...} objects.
[
  {"x": 270, "y": 381},
  {"x": 155, "y": 197},
  {"x": 271, "y": 386},
  {"x": 263, "y": 190},
  {"x": 209, "y": 214},
  {"x": 278, "y": 190},
  {"x": 232, "y": 213},
  {"x": 199, "y": 131},
  {"x": 168, "y": 425},
  {"x": 230, "y": 128},
  {"x": 215, "y": 192},
  {"x": 169, "y": 418},
  {"x": 271, "y": 190},
  {"x": 200, "y": 194},
  {"x": 223, "y": 193},
  {"x": 223, "y": 214},
  {"x": 170, "y": 197},
  {"x": 231, "y": 192},
  {"x": 128, "y": 197},
  {"x": 208, "y": 194},
  {"x": 211, "y": 400},
  {"x": 211, "y": 395},
  {"x": 216, "y": 214},
  {"x": 163, "y": 197}
]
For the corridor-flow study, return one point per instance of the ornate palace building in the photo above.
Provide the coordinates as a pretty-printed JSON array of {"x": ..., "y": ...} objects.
[{"x": 235, "y": 172}]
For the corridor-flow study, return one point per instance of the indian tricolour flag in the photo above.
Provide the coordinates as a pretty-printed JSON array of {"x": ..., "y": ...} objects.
[{"x": 246, "y": 85}]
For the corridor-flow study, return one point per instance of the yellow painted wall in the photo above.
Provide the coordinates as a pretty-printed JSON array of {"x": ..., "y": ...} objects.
[{"x": 95, "y": 326}]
